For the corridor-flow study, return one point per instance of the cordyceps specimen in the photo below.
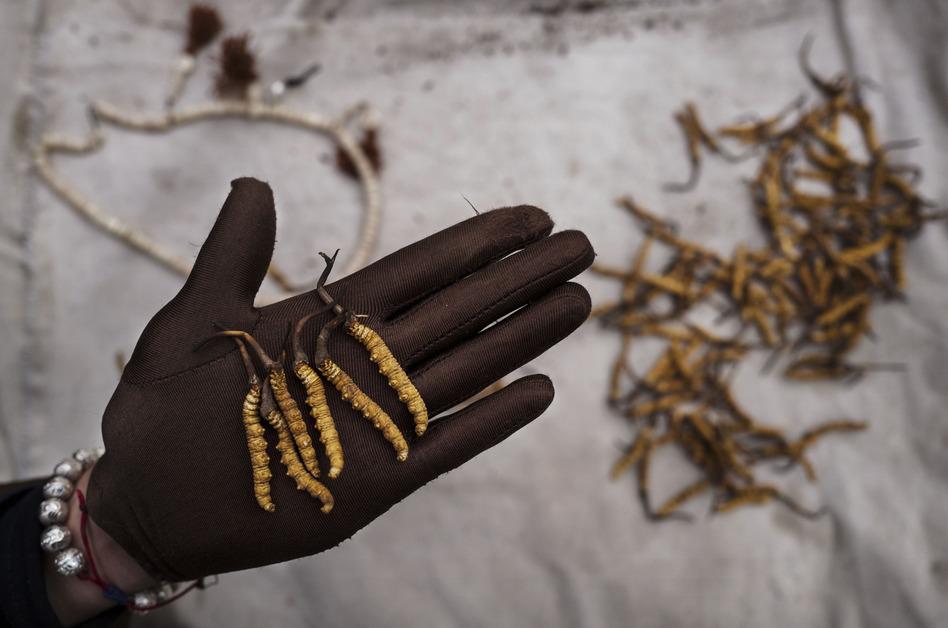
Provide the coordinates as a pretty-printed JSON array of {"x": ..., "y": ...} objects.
[
  {"x": 354, "y": 395},
  {"x": 379, "y": 353},
  {"x": 316, "y": 400},
  {"x": 837, "y": 219},
  {"x": 276, "y": 377},
  {"x": 288, "y": 456},
  {"x": 256, "y": 443},
  {"x": 259, "y": 402}
]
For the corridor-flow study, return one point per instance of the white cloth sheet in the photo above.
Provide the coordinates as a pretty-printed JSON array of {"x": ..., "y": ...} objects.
[{"x": 504, "y": 105}]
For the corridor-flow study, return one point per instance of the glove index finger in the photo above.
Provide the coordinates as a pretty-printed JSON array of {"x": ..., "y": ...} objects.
[{"x": 444, "y": 257}]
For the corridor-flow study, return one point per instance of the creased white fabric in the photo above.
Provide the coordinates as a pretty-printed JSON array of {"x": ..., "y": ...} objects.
[{"x": 504, "y": 105}]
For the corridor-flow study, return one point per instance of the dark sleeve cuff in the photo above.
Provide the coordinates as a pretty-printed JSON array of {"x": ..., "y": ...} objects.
[{"x": 23, "y": 599}]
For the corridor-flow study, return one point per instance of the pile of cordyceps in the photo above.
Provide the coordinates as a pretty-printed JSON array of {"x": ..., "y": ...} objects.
[{"x": 837, "y": 217}]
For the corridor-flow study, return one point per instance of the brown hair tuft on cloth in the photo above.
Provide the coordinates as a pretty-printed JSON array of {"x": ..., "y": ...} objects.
[
  {"x": 238, "y": 67},
  {"x": 204, "y": 24}
]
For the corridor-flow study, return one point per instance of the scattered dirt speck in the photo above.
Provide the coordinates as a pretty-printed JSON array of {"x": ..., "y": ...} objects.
[
  {"x": 939, "y": 571},
  {"x": 22, "y": 124}
]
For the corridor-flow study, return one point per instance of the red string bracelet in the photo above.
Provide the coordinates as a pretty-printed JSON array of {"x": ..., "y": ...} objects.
[{"x": 110, "y": 591}]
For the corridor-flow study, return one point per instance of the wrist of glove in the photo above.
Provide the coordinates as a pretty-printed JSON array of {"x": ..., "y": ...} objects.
[{"x": 174, "y": 488}]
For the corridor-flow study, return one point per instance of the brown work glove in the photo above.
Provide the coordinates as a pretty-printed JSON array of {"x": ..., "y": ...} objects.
[{"x": 174, "y": 486}]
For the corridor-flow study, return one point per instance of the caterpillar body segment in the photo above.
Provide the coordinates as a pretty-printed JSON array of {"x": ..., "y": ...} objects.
[
  {"x": 319, "y": 409},
  {"x": 398, "y": 379},
  {"x": 256, "y": 444},
  {"x": 361, "y": 402},
  {"x": 288, "y": 456},
  {"x": 294, "y": 420},
  {"x": 257, "y": 447}
]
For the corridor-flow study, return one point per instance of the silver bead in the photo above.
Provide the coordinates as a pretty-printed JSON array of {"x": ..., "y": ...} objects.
[
  {"x": 69, "y": 468},
  {"x": 55, "y": 538},
  {"x": 98, "y": 452},
  {"x": 145, "y": 599},
  {"x": 165, "y": 591},
  {"x": 53, "y": 511},
  {"x": 86, "y": 457},
  {"x": 70, "y": 561},
  {"x": 58, "y": 487}
]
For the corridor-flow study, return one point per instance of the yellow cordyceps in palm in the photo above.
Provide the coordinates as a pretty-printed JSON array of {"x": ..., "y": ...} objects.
[
  {"x": 379, "y": 353},
  {"x": 316, "y": 400},
  {"x": 319, "y": 409},
  {"x": 256, "y": 444},
  {"x": 294, "y": 468},
  {"x": 361, "y": 402},
  {"x": 272, "y": 401},
  {"x": 294, "y": 420},
  {"x": 392, "y": 370}
]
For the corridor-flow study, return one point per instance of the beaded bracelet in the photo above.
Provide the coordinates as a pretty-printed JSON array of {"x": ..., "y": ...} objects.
[{"x": 56, "y": 538}]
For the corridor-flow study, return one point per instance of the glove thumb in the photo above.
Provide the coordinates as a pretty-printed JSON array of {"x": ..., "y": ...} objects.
[
  {"x": 225, "y": 278},
  {"x": 234, "y": 259}
]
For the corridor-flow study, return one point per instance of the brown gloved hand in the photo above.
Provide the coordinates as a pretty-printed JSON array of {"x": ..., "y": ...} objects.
[{"x": 174, "y": 486}]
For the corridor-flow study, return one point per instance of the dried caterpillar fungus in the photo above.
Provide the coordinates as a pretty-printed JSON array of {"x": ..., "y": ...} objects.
[
  {"x": 294, "y": 420},
  {"x": 389, "y": 367},
  {"x": 256, "y": 444},
  {"x": 836, "y": 218},
  {"x": 316, "y": 400},
  {"x": 379, "y": 353},
  {"x": 294, "y": 468},
  {"x": 265, "y": 401},
  {"x": 362, "y": 403}
]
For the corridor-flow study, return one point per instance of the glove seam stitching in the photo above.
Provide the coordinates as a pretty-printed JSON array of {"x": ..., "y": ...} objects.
[
  {"x": 196, "y": 367},
  {"x": 444, "y": 356},
  {"x": 494, "y": 304},
  {"x": 419, "y": 300}
]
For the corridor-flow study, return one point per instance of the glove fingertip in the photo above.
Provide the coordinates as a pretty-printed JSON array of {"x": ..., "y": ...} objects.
[
  {"x": 453, "y": 440},
  {"x": 234, "y": 259},
  {"x": 537, "y": 392}
]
